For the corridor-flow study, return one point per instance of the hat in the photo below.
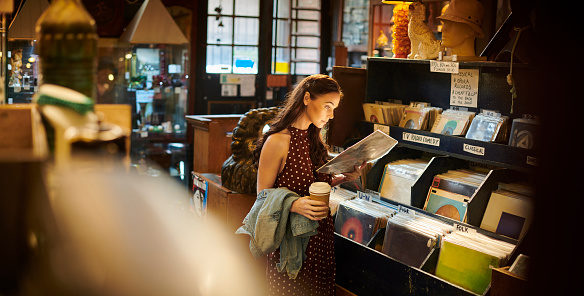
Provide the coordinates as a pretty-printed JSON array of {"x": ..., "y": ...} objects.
[{"x": 470, "y": 12}]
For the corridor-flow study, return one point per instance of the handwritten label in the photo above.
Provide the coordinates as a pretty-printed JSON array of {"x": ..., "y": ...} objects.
[
  {"x": 534, "y": 161},
  {"x": 406, "y": 211},
  {"x": 476, "y": 150},
  {"x": 368, "y": 196},
  {"x": 464, "y": 88},
  {"x": 464, "y": 229},
  {"x": 381, "y": 127},
  {"x": 421, "y": 139},
  {"x": 443, "y": 67}
]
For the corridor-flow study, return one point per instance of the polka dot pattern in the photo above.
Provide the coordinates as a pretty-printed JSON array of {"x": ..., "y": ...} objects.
[{"x": 317, "y": 274}]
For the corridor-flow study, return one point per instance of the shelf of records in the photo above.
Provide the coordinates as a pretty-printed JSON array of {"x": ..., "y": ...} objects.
[
  {"x": 487, "y": 137},
  {"x": 446, "y": 239}
]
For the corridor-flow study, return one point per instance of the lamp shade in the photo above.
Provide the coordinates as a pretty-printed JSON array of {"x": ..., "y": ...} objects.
[
  {"x": 152, "y": 24},
  {"x": 25, "y": 20}
]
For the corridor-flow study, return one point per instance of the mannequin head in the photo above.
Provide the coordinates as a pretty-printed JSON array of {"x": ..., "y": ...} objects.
[
  {"x": 459, "y": 37},
  {"x": 462, "y": 21}
]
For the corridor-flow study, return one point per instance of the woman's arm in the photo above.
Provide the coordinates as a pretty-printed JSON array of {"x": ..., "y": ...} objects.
[
  {"x": 349, "y": 176},
  {"x": 272, "y": 160}
]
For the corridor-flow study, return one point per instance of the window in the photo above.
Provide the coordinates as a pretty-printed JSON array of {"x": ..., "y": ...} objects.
[
  {"x": 296, "y": 37},
  {"x": 232, "y": 36}
]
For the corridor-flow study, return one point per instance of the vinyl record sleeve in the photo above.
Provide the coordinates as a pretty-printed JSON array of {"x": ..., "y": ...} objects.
[
  {"x": 466, "y": 267},
  {"x": 406, "y": 245},
  {"x": 374, "y": 146},
  {"x": 354, "y": 224},
  {"x": 524, "y": 133},
  {"x": 453, "y": 185},
  {"x": 484, "y": 128},
  {"x": 508, "y": 214},
  {"x": 447, "y": 204}
]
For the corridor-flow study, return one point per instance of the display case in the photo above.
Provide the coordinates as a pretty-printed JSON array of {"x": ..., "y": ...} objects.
[{"x": 365, "y": 271}]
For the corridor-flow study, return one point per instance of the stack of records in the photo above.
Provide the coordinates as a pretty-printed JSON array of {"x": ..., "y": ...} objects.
[
  {"x": 488, "y": 128},
  {"x": 411, "y": 239},
  {"x": 385, "y": 112},
  {"x": 359, "y": 220},
  {"x": 451, "y": 122},
  {"x": 420, "y": 117},
  {"x": 339, "y": 195},
  {"x": 467, "y": 259},
  {"x": 509, "y": 213},
  {"x": 398, "y": 178},
  {"x": 451, "y": 192},
  {"x": 373, "y": 113}
]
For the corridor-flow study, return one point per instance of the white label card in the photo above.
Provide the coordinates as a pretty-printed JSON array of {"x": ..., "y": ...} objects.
[
  {"x": 464, "y": 88},
  {"x": 421, "y": 139},
  {"x": 465, "y": 229},
  {"x": 406, "y": 211},
  {"x": 476, "y": 150},
  {"x": 443, "y": 67}
]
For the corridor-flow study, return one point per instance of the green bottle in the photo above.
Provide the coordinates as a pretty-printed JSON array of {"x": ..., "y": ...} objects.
[{"x": 67, "y": 47}]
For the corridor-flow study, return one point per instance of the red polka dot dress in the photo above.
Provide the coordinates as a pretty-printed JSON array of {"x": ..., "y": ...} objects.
[{"x": 317, "y": 274}]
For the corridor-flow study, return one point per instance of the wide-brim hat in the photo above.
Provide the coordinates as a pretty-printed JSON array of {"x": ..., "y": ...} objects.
[{"x": 470, "y": 12}]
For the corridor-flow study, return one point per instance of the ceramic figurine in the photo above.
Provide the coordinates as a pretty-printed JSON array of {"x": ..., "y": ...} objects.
[{"x": 423, "y": 42}]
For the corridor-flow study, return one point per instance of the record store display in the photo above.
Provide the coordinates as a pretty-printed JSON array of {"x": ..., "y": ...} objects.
[
  {"x": 467, "y": 259},
  {"x": 359, "y": 220},
  {"x": 451, "y": 122},
  {"x": 384, "y": 112},
  {"x": 339, "y": 195},
  {"x": 410, "y": 239},
  {"x": 420, "y": 117},
  {"x": 398, "y": 178},
  {"x": 488, "y": 128},
  {"x": 508, "y": 213},
  {"x": 464, "y": 182}
]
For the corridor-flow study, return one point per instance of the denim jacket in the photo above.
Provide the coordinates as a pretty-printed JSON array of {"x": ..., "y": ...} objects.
[{"x": 270, "y": 224}]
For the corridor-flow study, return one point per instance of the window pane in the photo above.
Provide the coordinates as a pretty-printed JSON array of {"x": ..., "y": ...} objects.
[
  {"x": 245, "y": 60},
  {"x": 247, "y": 31},
  {"x": 280, "y": 60},
  {"x": 281, "y": 8},
  {"x": 247, "y": 7},
  {"x": 281, "y": 33},
  {"x": 217, "y": 34},
  {"x": 305, "y": 68},
  {"x": 218, "y": 59},
  {"x": 305, "y": 54},
  {"x": 226, "y": 6},
  {"x": 310, "y": 28},
  {"x": 307, "y": 3},
  {"x": 306, "y": 42},
  {"x": 308, "y": 15}
]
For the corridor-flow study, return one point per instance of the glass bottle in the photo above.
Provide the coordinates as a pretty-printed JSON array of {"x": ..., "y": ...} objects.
[{"x": 67, "y": 46}]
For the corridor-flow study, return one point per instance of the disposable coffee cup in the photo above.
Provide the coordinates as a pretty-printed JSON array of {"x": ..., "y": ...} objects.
[{"x": 320, "y": 191}]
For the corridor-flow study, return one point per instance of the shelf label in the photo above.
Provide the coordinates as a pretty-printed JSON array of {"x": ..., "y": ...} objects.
[
  {"x": 534, "y": 161},
  {"x": 464, "y": 88},
  {"x": 464, "y": 229},
  {"x": 443, "y": 67},
  {"x": 476, "y": 150},
  {"x": 381, "y": 127},
  {"x": 421, "y": 139},
  {"x": 368, "y": 196},
  {"x": 407, "y": 211}
]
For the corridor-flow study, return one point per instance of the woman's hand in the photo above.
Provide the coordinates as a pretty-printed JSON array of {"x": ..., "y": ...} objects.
[
  {"x": 311, "y": 209},
  {"x": 349, "y": 176}
]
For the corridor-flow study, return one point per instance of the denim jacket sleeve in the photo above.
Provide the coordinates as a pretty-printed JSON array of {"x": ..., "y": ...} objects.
[{"x": 271, "y": 225}]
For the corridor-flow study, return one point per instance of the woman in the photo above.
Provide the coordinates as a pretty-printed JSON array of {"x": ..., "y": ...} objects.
[{"x": 288, "y": 156}]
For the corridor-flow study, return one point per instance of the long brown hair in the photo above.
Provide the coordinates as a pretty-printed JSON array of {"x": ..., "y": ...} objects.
[{"x": 316, "y": 85}]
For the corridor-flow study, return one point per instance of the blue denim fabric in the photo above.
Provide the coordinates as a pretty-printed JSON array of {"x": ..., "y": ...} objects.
[{"x": 270, "y": 225}]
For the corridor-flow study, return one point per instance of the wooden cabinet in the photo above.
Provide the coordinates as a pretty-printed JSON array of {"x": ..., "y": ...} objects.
[{"x": 211, "y": 140}]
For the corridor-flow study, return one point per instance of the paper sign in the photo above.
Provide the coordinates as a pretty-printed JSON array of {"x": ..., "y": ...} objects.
[
  {"x": 464, "y": 88},
  {"x": 247, "y": 85},
  {"x": 443, "y": 67},
  {"x": 228, "y": 90}
]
